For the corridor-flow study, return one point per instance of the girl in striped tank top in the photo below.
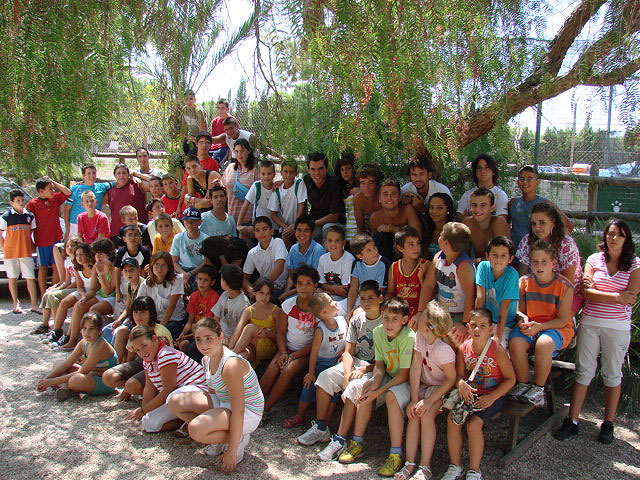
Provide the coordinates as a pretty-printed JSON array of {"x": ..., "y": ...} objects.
[{"x": 222, "y": 419}]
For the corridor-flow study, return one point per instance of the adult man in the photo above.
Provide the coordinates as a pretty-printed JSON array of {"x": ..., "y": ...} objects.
[
  {"x": 142, "y": 156},
  {"x": 220, "y": 150}
]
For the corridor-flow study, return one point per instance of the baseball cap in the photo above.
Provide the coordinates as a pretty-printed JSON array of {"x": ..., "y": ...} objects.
[
  {"x": 130, "y": 261},
  {"x": 191, "y": 213}
]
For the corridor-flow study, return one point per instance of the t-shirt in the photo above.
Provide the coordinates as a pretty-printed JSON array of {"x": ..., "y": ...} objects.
[
  {"x": 300, "y": 325},
  {"x": 262, "y": 208},
  {"x": 17, "y": 237},
  {"x": 520, "y": 213},
  {"x": 396, "y": 353},
  {"x": 200, "y": 307},
  {"x": 501, "y": 200},
  {"x": 119, "y": 197},
  {"x": 604, "y": 314},
  {"x": 336, "y": 272},
  {"x": 310, "y": 257},
  {"x": 47, "y": 213},
  {"x": 218, "y": 129},
  {"x": 286, "y": 201},
  {"x": 170, "y": 204},
  {"x": 160, "y": 245},
  {"x": 143, "y": 256},
  {"x": 360, "y": 333},
  {"x": 434, "y": 187},
  {"x": 89, "y": 228},
  {"x": 192, "y": 119},
  {"x": 377, "y": 271},
  {"x": 326, "y": 199},
  {"x": 154, "y": 172},
  {"x": 332, "y": 340},
  {"x": 187, "y": 250},
  {"x": 118, "y": 241},
  {"x": 188, "y": 371},
  {"x": 264, "y": 260},
  {"x": 161, "y": 296},
  {"x": 212, "y": 227},
  {"x": 228, "y": 311},
  {"x": 231, "y": 141},
  {"x": 433, "y": 357},
  {"x": 504, "y": 288},
  {"x": 75, "y": 199}
]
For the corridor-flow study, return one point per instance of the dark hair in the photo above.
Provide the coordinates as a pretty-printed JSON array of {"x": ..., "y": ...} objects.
[
  {"x": 95, "y": 318},
  {"x": 528, "y": 168},
  {"x": 261, "y": 282},
  {"x": 149, "y": 206},
  {"x": 218, "y": 188},
  {"x": 141, "y": 149},
  {"x": 628, "y": 248},
  {"x": 164, "y": 216},
  {"x": 484, "y": 192},
  {"x": 491, "y": 163},
  {"x": 251, "y": 159},
  {"x": 192, "y": 158},
  {"x": 335, "y": 229},
  {"x": 130, "y": 228},
  {"x": 405, "y": 232},
  {"x": 544, "y": 246},
  {"x": 358, "y": 242},
  {"x": 86, "y": 248},
  {"x": 15, "y": 193},
  {"x": 120, "y": 165},
  {"x": 263, "y": 219},
  {"x": 289, "y": 163},
  {"x": 141, "y": 331},
  {"x": 390, "y": 182},
  {"x": 144, "y": 304},
  {"x": 305, "y": 219},
  {"x": 422, "y": 163},
  {"x": 171, "y": 272},
  {"x": 430, "y": 225},
  {"x": 370, "y": 170},
  {"x": 206, "y": 135},
  {"x": 267, "y": 164},
  {"x": 306, "y": 271},
  {"x": 370, "y": 286},
  {"x": 481, "y": 312},
  {"x": 347, "y": 158},
  {"x": 233, "y": 248},
  {"x": 166, "y": 176},
  {"x": 233, "y": 276},
  {"x": 396, "y": 305},
  {"x": 87, "y": 166},
  {"x": 155, "y": 178},
  {"x": 558, "y": 232},
  {"x": 317, "y": 157},
  {"x": 209, "y": 270},
  {"x": 230, "y": 121},
  {"x": 42, "y": 183},
  {"x": 501, "y": 241},
  {"x": 105, "y": 246},
  {"x": 224, "y": 101}
]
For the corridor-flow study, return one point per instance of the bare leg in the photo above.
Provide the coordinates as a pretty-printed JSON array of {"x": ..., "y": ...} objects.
[
  {"x": 363, "y": 415},
  {"x": 347, "y": 417},
  {"x": 211, "y": 426},
  {"x": 578, "y": 395},
  {"x": 270, "y": 375},
  {"x": 413, "y": 437},
  {"x": 454, "y": 442},
  {"x": 519, "y": 350},
  {"x": 79, "y": 309},
  {"x": 475, "y": 437},
  {"x": 611, "y": 399},
  {"x": 542, "y": 364},
  {"x": 33, "y": 294},
  {"x": 112, "y": 379},
  {"x": 284, "y": 380},
  {"x": 82, "y": 383},
  {"x": 427, "y": 434},
  {"x": 121, "y": 335},
  {"x": 59, "y": 262},
  {"x": 323, "y": 402},
  {"x": 42, "y": 279},
  {"x": 189, "y": 405},
  {"x": 61, "y": 314},
  {"x": 302, "y": 409},
  {"x": 133, "y": 386},
  {"x": 13, "y": 289},
  {"x": 248, "y": 335}
]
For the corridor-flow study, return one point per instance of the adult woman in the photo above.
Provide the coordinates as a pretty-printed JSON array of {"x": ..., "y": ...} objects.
[
  {"x": 610, "y": 285},
  {"x": 199, "y": 183},
  {"x": 440, "y": 211},
  {"x": 125, "y": 192},
  {"x": 238, "y": 179}
]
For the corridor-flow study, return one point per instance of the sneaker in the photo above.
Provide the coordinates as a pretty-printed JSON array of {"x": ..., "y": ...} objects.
[
  {"x": 63, "y": 394},
  {"x": 567, "y": 430},
  {"x": 332, "y": 451},
  {"x": 352, "y": 451},
  {"x": 454, "y": 472},
  {"x": 244, "y": 441},
  {"x": 473, "y": 475},
  {"x": 314, "y": 435},
  {"x": 40, "y": 329},
  {"x": 63, "y": 340},
  {"x": 606, "y": 433},
  {"x": 214, "y": 449},
  {"x": 392, "y": 464},
  {"x": 534, "y": 395},
  {"x": 53, "y": 336},
  {"x": 519, "y": 390}
]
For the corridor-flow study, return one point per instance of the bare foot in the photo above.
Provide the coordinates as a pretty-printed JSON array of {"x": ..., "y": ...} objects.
[{"x": 123, "y": 396}]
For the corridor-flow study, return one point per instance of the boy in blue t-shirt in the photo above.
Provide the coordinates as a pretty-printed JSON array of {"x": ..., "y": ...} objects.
[
  {"x": 185, "y": 249},
  {"x": 497, "y": 287},
  {"x": 369, "y": 266}
]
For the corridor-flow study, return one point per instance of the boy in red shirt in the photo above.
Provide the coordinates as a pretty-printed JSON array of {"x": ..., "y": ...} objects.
[{"x": 92, "y": 224}]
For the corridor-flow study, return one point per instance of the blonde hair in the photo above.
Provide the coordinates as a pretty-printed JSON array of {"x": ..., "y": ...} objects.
[
  {"x": 128, "y": 210},
  {"x": 318, "y": 302},
  {"x": 210, "y": 323},
  {"x": 436, "y": 317},
  {"x": 87, "y": 193},
  {"x": 458, "y": 235}
]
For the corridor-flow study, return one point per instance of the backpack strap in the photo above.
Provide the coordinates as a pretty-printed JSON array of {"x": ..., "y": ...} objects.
[{"x": 258, "y": 194}]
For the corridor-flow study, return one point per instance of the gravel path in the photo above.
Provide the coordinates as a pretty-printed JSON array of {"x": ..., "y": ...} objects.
[{"x": 88, "y": 438}]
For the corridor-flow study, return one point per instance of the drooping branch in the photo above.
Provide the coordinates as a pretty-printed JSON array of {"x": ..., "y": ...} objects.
[{"x": 614, "y": 77}]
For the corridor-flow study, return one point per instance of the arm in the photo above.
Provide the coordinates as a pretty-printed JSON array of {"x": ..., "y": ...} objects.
[
  {"x": 66, "y": 216},
  {"x": 289, "y": 288},
  {"x": 232, "y": 374},
  {"x": 244, "y": 320},
  {"x": 508, "y": 381},
  {"x": 329, "y": 218},
  {"x": 176, "y": 264},
  {"x": 347, "y": 361},
  {"x": 467, "y": 281},
  {"x": 531, "y": 327},
  {"x": 427, "y": 292},
  {"x": 168, "y": 374},
  {"x": 375, "y": 390},
  {"x": 278, "y": 268},
  {"x": 501, "y": 227},
  {"x": 413, "y": 220},
  {"x": 275, "y": 218},
  {"x": 281, "y": 338},
  {"x": 626, "y": 297},
  {"x": 502, "y": 319},
  {"x": 570, "y": 273},
  {"x": 61, "y": 188},
  {"x": 58, "y": 376},
  {"x": 341, "y": 290},
  {"x": 352, "y": 295},
  {"x": 414, "y": 382},
  {"x": 243, "y": 212},
  {"x": 391, "y": 284},
  {"x": 187, "y": 327},
  {"x": 246, "y": 286},
  {"x": 358, "y": 213},
  {"x": 480, "y": 296},
  {"x": 310, "y": 378}
]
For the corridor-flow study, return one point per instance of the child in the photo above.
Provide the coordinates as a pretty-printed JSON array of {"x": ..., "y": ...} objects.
[
  {"x": 432, "y": 375},
  {"x": 171, "y": 196},
  {"x": 229, "y": 307},
  {"x": 163, "y": 240},
  {"x": 485, "y": 174},
  {"x": 306, "y": 250},
  {"x": 155, "y": 208},
  {"x": 91, "y": 224},
  {"x": 335, "y": 266},
  {"x": 367, "y": 200},
  {"x": 293, "y": 337},
  {"x": 185, "y": 249},
  {"x": 357, "y": 360},
  {"x": 388, "y": 383},
  {"x": 129, "y": 289},
  {"x": 326, "y": 349},
  {"x": 344, "y": 172},
  {"x": 17, "y": 224},
  {"x": 421, "y": 186},
  {"x": 486, "y": 392},
  {"x": 131, "y": 249},
  {"x": 453, "y": 274},
  {"x": 255, "y": 335},
  {"x": 370, "y": 266},
  {"x": 545, "y": 323},
  {"x": 406, "y": 275},
  {"x": 46, "y": 209},
  {"x": 497, "y": 287},
  {"x": 155, "y": 187},
  {"x": 199, "y": 182},
  {"x": 217, "y": 221},
  {"x": 129, "y": 217},
  {"x": 73, "y": 206},
  {"x": 267, "y": 258},
  {"x": 82, "y": 370},
  {"x": 226, "y": 426},
  {"x": 483, "y": 224},
  {"x": 288, "y": 202},
  {"x": 258, "y": 197}
]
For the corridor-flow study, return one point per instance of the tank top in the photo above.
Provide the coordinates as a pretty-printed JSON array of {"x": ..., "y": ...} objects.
[
  {"x": 201, "y": 191},
  {"x": 332, "y": 340},
  {"x": 489, "y": 374},
  {"x": 68, "y": 266},
  {"x": 101, "y": 293},
  {"x": 112, "y": 361},
  {"x": 86, "y": 281},
  {"x": 268, "y": 323},
  {"x": 408, "y": 285},
  {"x": 253, "y": 398},
  {"x": 450, "y": 292},
  {"x": 351, "y": 227},
  {"x": 520, "y": 213}
]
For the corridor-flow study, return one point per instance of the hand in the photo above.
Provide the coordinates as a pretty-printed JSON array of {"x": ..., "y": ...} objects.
[
  {"x": 413, "y": 323},
  {"x": 368, "y": 392},
  {"x": 262, "y": 332},
  {"x": 355, "y": 374},
  {"x": 531, "y": 329},
  {"x": 186, "y": 278},
  {"x": 136, "y": 414},
  {"x": 43, "y": 384},
  {"x": 118, "y": 297},
  {"x": 522, "y": 319},
  {"x": 116, "y": 324},
  {"x": 421, "y": 408},
  {"x": 484, "y": 401},
  {"x": 466, "y": 392},
  {"x": 82, "y": 299},
  {"x": 587, "y": 281},
  {"x": 288, "y": 230},
  {"x": 410, "y": 409},
  {"x": 458, "y": 332},
  {"x": 627, "y": 297},
  {"x": 417, "y": 202},
  {"x": 308, "y": 380},
  {"x": 229, "y": 461},
  {"x": 283, "y": 359}
]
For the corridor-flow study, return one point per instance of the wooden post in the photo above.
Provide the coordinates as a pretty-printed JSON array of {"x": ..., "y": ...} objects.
[{"x": 592, "y": 196}]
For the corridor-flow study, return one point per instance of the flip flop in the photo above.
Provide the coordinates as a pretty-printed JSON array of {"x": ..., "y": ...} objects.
[
  {"x": 182, "y": 432},
  {"x": 36, "y": 311},
  {"x": 293, "y": 421},
  {"x": 18, "y": 311}
]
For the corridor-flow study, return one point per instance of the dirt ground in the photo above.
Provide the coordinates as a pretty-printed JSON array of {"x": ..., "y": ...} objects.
[{"x": 89, "y": 438}]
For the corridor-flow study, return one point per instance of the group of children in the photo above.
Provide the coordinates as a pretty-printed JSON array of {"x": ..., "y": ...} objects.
[{"x": 401, "y": 329}]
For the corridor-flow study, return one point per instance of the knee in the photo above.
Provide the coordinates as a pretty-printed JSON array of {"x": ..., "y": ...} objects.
[
  {"x": 517, "y": 346},
  {"x": 110, "y": 378},
  {"x": 545, "y": 344},
  {"x": 197, "y": 429},
  {"x": 133, "y": 387},
  {"x": 250, "y": 329},
  {"x": 77, "y": 382},
  {"x": 474, "y": 426},
  {"x": 176, "y": 403},
  {"x": 391, "y": 400}
]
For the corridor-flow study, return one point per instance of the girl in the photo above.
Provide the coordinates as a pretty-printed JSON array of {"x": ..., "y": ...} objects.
[
  {"x": 344, "y": 171},
  {"x": 125, "y": 192},
  {"x": 432, "y": 375},
  {"x": 224, "y": 418},
  {"x": 82, "y": 370},
  {"x": 440, "y": 211},
  {"x": 166, "y": 288},
  {"x": 610, "y": 286},
  {"x": 164, "y": 238},
  {"x": 238, "y": 179},
  {"x": 199, "y": 183},
  {"x": 167, "y": 371},
  {"x": 101, "y": 295},
  {"x": 54, "y": 295},
  {"x": 255, "y": 335}
]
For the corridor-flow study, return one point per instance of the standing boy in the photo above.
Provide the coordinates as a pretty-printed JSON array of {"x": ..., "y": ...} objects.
[
  {"x": 288, "y": 202},
  {"x": 220, "y": 150},
  {"x": 482, "y": 222},
  {"x": 257, "y": 198},
  {"x": 171, "y": 197},
  {"x": 485, "y": 174}
]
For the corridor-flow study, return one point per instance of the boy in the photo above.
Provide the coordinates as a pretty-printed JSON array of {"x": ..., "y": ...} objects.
[
  {"x": 357, "y": 361},
  {"x": 132, "y": 249},
  {"x": 17, "y": 224},
  {"x": 370, "y": 266},
  {"x": 163, "y": 240},
  {"x": 220, "y": 150},
  {"x": 306, "y": 250},
  {"x": 171, "y": 196},
  {"x": 497, "y": 287},
  {"x": 453, "y": 274},
  {"x": 193, "y": 119},
  {"x": 367, "y": 200},
  {"x": 288, "y": 202},
  {"x": 267, "y": 258},
  {"x": 388, "y": 383},
  {"x": 484, "y": 225},
  {"x": 155, "y": 187},
  {"x": 485, "y": 174},
  {"x": 544, "y": 322},
  {"x": 421, "y": 185},
  {"x": 232, "y": 302},
  {"x": 334, "y": 267},
  {"x": 185, "y": 249},
  {"x": 129, "y": 217},
  {"x": 91, "y": 224},
  {"x": 406, "y": 275},
  {"x": 154, "y": 208},
  {"x": 217, "y": 221},
  {"x": 258, "y": 198},
  {"x": 519, "y": 208},
  {"x": 46, "y": 209},
  {"x": 73, "y": 206}
]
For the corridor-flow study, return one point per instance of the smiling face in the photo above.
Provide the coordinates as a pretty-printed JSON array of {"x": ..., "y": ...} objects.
[
  {"x": 528, "y": 183},
  {"x": 419, "y": 177},
  {"x": 164, "y": 228},
  {"x": 318, "y": 172},
  {"x": 288, "y": 175},
  {"x": 89, "y": 176},
  {"x": 393, "y": 323},
  {"x": 146, "y": 348},
  {"x": 207, "y": 341},
  {"x": 389, "y": 197},
  {"x": 542, "y": 225},
  {"x": 303, "y": 234},
  {"x": 334, "y": 242},
  {"x": 89, "y": 332},
  {"x": 368, "y": 186},
  {"x": 542, "y": 265},
  {"x": 170, "y": 187},
  {"x": 438, "y": 210},
  {"x": 481, "y": 207},
  {"x": 266, "y": 176}
]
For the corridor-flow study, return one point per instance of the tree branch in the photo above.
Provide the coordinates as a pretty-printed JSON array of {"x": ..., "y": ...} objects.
[{"x": 614, "y": 77}]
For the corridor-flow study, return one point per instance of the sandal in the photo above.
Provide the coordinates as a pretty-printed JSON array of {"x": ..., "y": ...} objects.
[
  {"x": 294, "y": 421},
  {"x": 423, "y": 473},
  {"x": 182, "y": 432},
  {"x": 37, "y": 311},
  {"x": 18, "y": 311},
  {"x": 406, "y": 472},
  {"x": 40, "y": 330}
]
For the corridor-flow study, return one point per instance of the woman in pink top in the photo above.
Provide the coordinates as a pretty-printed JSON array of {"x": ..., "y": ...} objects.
[
  {"x": 239, "y": 176},
  {"x": 125, "y": 192},
  {"x": 610, "y": 286}
]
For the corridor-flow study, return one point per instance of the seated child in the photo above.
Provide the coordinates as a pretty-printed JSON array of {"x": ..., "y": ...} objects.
[
  {"x": 163, "y": 240},
  {"x": 232, "y": 303},
  {"x": 544, "y": 322},
  {"x": 334, "y": 267},
  {"x": 257, "y": 198},
  {"x": 155, "y": 208},
  {"x": 171, "y": 196},
  {"x": 217, "y": 221},
  {"x": 288, "y": 202},
  {"x": 131, "y": 249},
  {"x": 267, "y": 258},
  {"x": 185, "y": 248},
  {"x": 486, "y": 392},
  {"x": 92, "y": 224},
  {"x": 483, "y": 224},
  {"x": 129, "y": 216}
]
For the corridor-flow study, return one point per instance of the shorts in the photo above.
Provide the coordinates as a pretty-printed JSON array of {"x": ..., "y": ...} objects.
[
  {"x": 52, "y": 298},
  {"x": 265, "y": 349},
  {"x": 331, "y": 379},
  {"x": 153, "y": 421},
  {"x": 73, "y": 229},
  {"x": 308, "y": 394},
  {"x": 611, "y": 344},
  {"x": 101, "y": 388},
  {"x": 251, "y": 420},
  {"x": 402, "y": 392},
  {"x": 45, "y": 255},
  {"x": 132, "y": 369},
  {"x": 22, "y": 265},
  {"x": 552, "y": 333},
  {"x": 488, "y": 413},
  {"x": 110, "y": 300}
]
